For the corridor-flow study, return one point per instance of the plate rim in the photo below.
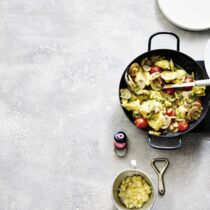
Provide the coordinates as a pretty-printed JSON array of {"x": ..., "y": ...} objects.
[
  {"x": 178, "y": 24},
  {"x": 206, "y": 55}
]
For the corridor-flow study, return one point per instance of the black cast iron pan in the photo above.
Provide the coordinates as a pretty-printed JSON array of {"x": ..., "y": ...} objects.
[{"x": 183, "y": 60}]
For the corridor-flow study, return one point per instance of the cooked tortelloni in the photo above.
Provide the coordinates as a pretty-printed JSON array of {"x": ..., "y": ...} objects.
[{"x": 163, "y": 110}]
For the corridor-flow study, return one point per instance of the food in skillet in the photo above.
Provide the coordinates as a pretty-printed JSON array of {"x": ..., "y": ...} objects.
[
  {"x": 134, "y": 191},
  {"x": 161, "y": 111}
]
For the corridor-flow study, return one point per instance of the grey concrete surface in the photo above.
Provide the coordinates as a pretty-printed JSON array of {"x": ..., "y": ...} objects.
[{"x": 60, "y": 66}]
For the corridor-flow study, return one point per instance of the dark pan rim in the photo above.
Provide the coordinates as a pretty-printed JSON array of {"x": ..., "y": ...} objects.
[{"x": 207, "y": 97}]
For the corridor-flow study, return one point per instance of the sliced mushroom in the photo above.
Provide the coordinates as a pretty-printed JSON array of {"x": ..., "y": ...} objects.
[
  {"x": 180, "y": 120},
  {"x": 156, "y": 84},
  {"x": 197, "y": 103},
  {"x": 175, "y": 124},
  {"x": 146, "y": 68},
  {"x": 167, "y": 122},
  {"x": 175, "y": 130},
  {"x": 148, "y": 62},
  {"x": 145, "y": 62},
  {"x": 131, "y": 82},
  {"x": 140, "y": 82},
  {"x": 134, "y": 65},
  {"x": 171, "y": 128},
  {"x": 133, "y": 71},
  {"x": 194, "y": 113}
]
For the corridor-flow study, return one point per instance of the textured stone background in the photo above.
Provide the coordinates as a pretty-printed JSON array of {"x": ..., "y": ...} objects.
[{"x": 60, "y": 66}]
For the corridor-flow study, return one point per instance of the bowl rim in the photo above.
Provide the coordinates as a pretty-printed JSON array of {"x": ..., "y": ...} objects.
[{"x": 141, "y": 172}]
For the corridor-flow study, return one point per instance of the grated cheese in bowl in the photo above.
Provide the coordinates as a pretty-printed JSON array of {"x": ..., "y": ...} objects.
[{"x": 134, "y": 191}]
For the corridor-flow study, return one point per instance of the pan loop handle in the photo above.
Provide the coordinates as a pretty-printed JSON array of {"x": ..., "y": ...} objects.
[
  {"x": 159, "y": 33},
  {"x": 164, "y": 144}
]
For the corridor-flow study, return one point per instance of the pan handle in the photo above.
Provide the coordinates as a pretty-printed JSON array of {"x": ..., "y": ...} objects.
[
  {"x": 169, "y": 33},
  {"x": 164, "y": 143}
]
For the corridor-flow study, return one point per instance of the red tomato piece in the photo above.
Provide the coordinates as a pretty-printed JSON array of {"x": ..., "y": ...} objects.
[
  {"x": 141, "y": 123},
  {"x": 182, "y": 126},
  {"x": 170, "y": 91},
  {"x": 155, "y": 69},
  {"x": 170, "y": 112}
]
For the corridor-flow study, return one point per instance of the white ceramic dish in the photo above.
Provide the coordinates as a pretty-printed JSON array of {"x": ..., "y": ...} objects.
[
  {"x": 187, "y": 14},
  {"x": 207, "y": 58}
]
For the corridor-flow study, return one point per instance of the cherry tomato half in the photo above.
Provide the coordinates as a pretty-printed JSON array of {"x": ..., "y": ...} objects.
[
  {"x": 155, "y": 69},
  {"x": 141, "y": 123},
  {"x": 182, "y": 126},
  {"x": 170, "y": 112},
  {"x": 170, "y": 91},
  {"x": 188, "y": 79}
]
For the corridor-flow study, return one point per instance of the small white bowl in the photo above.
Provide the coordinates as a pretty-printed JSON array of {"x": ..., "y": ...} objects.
[{"x": 118, "y": 180}]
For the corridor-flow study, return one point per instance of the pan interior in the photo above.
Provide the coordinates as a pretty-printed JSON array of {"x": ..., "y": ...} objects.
[{"x": 186, "y": 63}]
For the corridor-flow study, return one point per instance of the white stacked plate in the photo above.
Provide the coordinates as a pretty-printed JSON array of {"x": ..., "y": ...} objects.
[
  {"x": 207, "y": 58},
  {"x": 192, "y": 15}
]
